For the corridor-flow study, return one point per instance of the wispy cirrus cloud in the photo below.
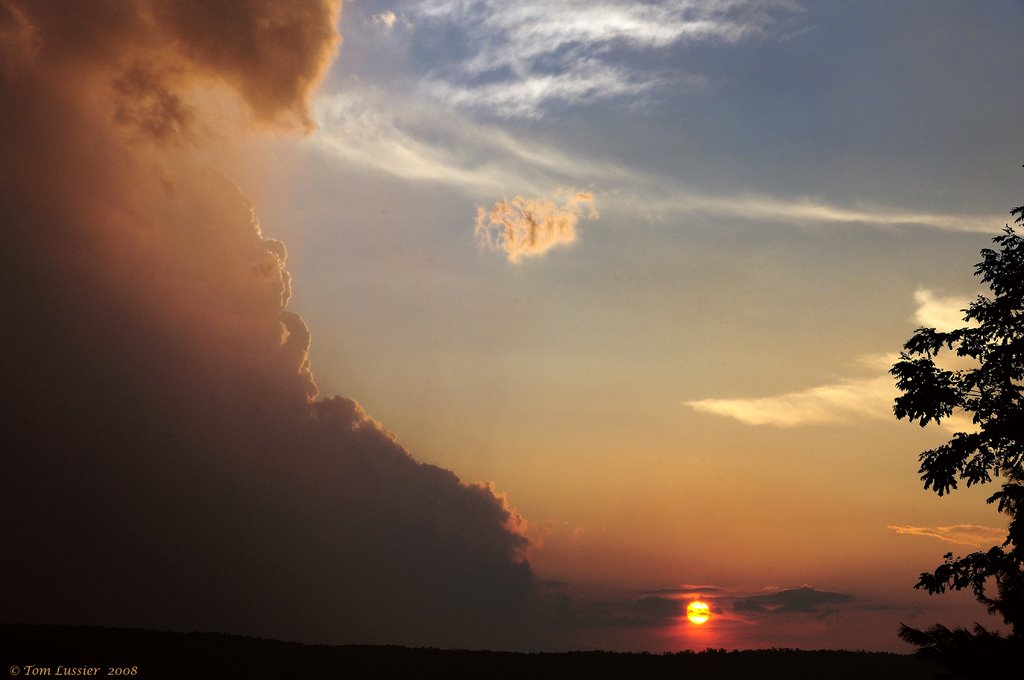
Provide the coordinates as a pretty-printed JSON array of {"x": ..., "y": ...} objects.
[
  {"x": 973, "y": 535},
  {"x": 525, "y": 97},
  {"x": 398, "y": 135},
  {"x": 412, "y": 140},
  {"x": 574, "y": 51},
  {"x": 811, "y": 210}
]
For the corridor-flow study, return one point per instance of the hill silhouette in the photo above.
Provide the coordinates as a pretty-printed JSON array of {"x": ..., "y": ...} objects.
[{"x": 147, "y": 654}]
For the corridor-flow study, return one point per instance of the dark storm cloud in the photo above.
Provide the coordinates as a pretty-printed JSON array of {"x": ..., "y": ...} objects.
[
  {"x": 165, "y": 463},
  {"x": 272, "y": 54},
  {"x": 576, "y": 614}
]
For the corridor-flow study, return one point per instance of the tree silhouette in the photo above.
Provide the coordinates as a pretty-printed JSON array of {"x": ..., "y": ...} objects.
[{"x": 991, "y": 392}]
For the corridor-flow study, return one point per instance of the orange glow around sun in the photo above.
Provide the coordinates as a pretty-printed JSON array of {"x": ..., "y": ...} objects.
[{"x": 698, "y": 612}]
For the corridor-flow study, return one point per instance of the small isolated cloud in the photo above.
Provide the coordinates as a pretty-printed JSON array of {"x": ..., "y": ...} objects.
[
  {"x": 944, "y": 313},
  {"x": 805, "y": 600},
  {"x": 973, "y": 535},
  {"x": 525, "y": 227},
  {"x": 386, "y": 20}
]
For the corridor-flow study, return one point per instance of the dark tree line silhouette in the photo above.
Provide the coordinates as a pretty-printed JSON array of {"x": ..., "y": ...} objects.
[{"x": 158, "y": 655}]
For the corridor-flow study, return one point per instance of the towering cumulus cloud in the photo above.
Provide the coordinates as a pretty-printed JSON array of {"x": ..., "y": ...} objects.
[{"x": 165, "y": 460}]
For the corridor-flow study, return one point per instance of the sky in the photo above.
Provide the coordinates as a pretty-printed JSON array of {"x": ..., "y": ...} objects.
[{"x": 511, "y": 325}]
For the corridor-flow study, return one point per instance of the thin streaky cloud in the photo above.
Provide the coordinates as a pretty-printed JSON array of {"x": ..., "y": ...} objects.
[
  {"x": 803, "y": 210},
  {"x": 368, "y": 138},
  {"x": 866, "y": 398},
  {"x": 973, "y": 535},
  {"x": 843, "y": 401},
  {"x": 839, "y": 402},
  {"x": 411, "y": 140}
]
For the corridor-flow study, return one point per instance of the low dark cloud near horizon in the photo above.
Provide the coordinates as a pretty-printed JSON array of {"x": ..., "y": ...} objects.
[
  {"x": 805, "y": 600},
  {"x": 686, "y": 590},
  {"x": 167, "y": 464}
]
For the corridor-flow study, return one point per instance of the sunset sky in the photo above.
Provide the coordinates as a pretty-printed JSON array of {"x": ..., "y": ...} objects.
[{"x": 634, "y": 272}]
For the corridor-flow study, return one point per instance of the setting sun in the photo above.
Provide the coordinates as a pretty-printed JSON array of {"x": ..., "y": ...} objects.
[{"x": 698, "y": 612}]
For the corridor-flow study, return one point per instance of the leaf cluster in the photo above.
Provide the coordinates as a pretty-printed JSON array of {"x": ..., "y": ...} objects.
[{"x": 976, "y": 653}]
